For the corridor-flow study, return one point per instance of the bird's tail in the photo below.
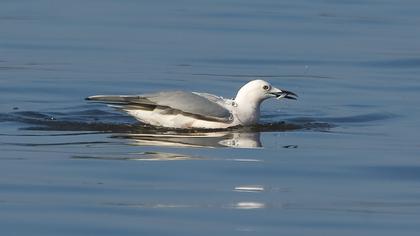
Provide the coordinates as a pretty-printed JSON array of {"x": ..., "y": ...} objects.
[{"x": 125, "y": 102}]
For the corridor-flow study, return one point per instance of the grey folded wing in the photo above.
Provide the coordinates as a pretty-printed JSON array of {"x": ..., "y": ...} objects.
[{"x": 191, "y": 104}]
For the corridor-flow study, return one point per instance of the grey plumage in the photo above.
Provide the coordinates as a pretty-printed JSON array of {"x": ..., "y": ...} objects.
[{"x": 173, "y": 102}]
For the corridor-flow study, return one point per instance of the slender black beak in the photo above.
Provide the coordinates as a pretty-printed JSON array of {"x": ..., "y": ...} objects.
[{"x": 285, "y": 94}]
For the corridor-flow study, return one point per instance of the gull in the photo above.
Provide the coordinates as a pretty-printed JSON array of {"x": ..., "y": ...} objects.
[{"x": 186, "y": 110}]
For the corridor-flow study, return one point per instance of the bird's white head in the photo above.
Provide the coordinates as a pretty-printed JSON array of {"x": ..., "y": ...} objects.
[
  {"x": 251, "y": 95},
  {"x": 256, "y": 91}
]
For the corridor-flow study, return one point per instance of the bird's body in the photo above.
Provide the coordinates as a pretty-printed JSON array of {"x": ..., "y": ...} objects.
[
  {"x": 176, "y": 119},
  {"x": 186, "y": 110}
]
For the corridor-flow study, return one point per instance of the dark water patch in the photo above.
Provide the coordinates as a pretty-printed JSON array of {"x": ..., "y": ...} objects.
[
  {"x": 86, "y": 120},
  {"x": 5, "y": 117},
  {"x": 291, "y": 126},
  {"x": 105, "y": 121},
  {"x": 84, "y": 126},
  {"x": 30, "y": 115},
  {"x": 82, "y": 115},
  {"x": 282, "y": 126}
]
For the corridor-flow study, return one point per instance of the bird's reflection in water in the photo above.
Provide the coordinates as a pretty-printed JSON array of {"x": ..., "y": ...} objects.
[
  {"x": 142, "y": 156},
  {"x": 212, "y": 140}
]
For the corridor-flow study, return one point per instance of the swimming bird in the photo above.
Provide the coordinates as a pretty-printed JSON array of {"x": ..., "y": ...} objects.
[{"x": 179, "y": 109}]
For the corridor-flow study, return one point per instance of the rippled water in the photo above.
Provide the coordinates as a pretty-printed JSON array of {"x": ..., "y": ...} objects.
[{"x": 342, "y": 160}]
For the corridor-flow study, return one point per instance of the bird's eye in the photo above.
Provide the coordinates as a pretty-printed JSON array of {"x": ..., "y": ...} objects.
[{"x": 266, "y": 87}]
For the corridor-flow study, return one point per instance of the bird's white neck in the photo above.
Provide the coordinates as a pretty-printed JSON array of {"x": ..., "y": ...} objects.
[{"x": 247, "y": 110}]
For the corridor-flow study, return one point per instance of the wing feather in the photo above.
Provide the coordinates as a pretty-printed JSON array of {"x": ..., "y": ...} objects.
[{"x": 177, "y": 102}]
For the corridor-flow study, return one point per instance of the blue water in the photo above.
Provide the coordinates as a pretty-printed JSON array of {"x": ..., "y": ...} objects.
[{"x": 342, "y": 160}]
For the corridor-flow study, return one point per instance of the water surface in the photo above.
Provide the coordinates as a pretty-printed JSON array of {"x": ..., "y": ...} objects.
[{"x": 343, "y": 159}]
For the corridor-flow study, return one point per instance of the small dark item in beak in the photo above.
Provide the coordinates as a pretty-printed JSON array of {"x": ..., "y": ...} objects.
[{"x": 285, "y": 94}]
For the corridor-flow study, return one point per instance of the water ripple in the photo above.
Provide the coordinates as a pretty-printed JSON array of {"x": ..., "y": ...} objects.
[{"x": 105, "y": 121}]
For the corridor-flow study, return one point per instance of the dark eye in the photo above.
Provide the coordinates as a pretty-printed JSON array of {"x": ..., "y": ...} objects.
[{"x": 266, "y": 87}]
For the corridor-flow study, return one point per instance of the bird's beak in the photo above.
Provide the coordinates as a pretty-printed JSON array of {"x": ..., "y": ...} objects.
[{"x": 281, "y": 93}]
